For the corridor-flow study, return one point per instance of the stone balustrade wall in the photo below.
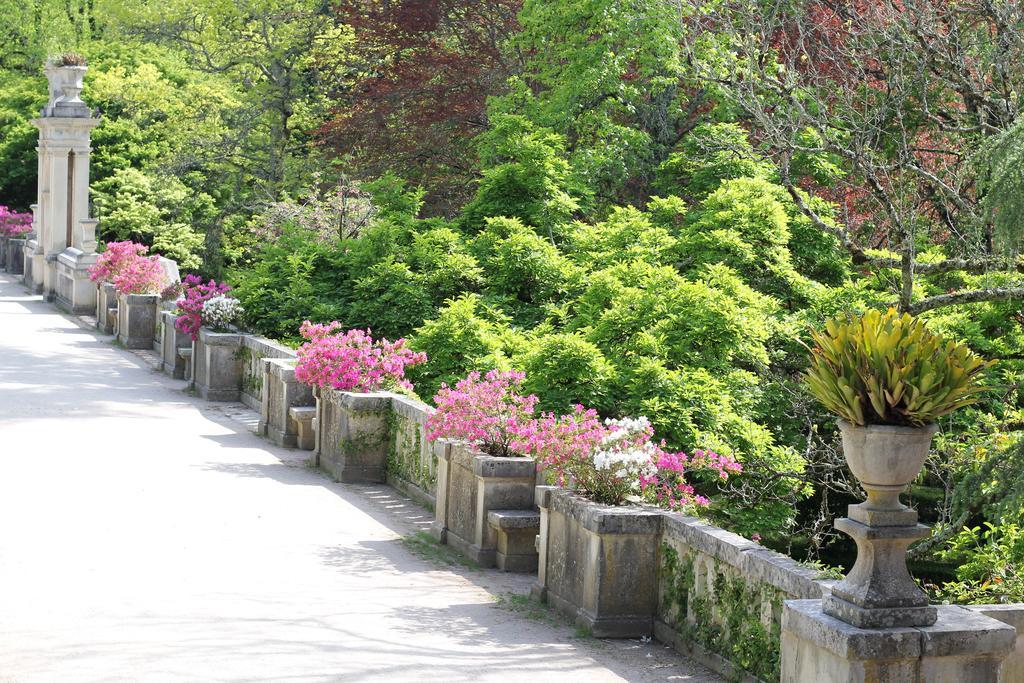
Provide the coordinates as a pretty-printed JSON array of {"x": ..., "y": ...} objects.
[{"x": 719, "y": 596}]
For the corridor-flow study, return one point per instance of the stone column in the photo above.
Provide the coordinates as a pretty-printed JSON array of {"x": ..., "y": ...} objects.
[{"x": 58, "y": 257}]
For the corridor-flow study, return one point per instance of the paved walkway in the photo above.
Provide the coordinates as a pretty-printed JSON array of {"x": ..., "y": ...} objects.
[{"x": 146, "y": 535}]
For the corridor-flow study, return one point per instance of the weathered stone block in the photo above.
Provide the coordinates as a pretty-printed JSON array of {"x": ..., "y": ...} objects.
[
  {"x": 15, "y": 256},
  {"x": 472, "y": 484},
  {"x": 281, "y": 393},
  {"x": 305, "y": 420},
  {"x": 106, "y": 308},
  {"x": 171, "y": 343},
  {"x": 136, "y": 320},
  {"x": 74, "y": 290},
  {"x": 516, "y": 532},
  {"x": 960, "y": 647},
  {"x": 353, "y": 435},
  {"x": 217, "y": 365},
  {"x": 599, "y": 563}
]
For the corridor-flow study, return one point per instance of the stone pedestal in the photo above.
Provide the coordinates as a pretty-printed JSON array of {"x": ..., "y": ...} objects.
[
  {"x": 75, "y": 291},
  {"x": 469, "y": 486},
  {"x": 281, "y": 393},
  {"x": 879, "y": 591},
  {"x": 353, "y": 435},
  {"x": 217, "y": 365},
  {"x": 962, "y": 646},
  {"x": 136, "y": 320}
]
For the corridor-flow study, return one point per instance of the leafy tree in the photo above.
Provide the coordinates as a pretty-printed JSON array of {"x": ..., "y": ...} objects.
[{"x": 417, "y": 101}]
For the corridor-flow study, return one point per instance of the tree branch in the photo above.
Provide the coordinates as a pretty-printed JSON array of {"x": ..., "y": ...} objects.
[{"x": 969, "y": 297}]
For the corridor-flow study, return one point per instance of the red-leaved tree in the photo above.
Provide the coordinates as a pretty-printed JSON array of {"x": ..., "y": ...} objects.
[{"x": 427, "y": 68}]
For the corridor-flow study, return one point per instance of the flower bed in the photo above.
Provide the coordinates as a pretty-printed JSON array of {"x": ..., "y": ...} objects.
[
  {"x": 480, "y": 469},
  {"x": 350, "y": 373}
]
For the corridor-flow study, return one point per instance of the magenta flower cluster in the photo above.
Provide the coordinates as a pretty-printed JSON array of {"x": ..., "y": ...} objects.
[
  {"x": 195, "y": 293},
  {"x": 489, "y": 411},
  {"x": 609, "y": 461},
  {"x": 14, "y": 224},
  {"x": 352, "y": 360},
  {"x": 126, "y": 266}
]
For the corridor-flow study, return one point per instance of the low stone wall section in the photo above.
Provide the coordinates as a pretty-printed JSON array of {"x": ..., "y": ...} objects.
[
  {"x": 412, "y": 460},
  {"x": 720, "y": 597},
  {"x": 254, "y": 349}
]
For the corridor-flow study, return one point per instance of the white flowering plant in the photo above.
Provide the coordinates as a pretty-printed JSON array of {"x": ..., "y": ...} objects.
[
  {"x": 617, "y": 461},
  {"x": 221, "y": 313}
]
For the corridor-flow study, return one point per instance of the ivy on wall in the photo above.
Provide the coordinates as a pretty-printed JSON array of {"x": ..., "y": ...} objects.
[
  {"x": 404, "y": 454},
  {"x": 725, "y": 619}
]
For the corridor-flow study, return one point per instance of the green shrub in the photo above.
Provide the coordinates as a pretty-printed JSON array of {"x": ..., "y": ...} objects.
[
  {"x": 626, "y": 235},
  {"x": 637, "y": 309},
  {"x": 390, "y": 300},
  {"x": 711, "y": 154},
  {"x": 441, "y": 255},
  {"x": 464, "y": 336},
  {"x": 742, "y": 224},
  {"x": 564, "y": 369},
  {"x": 291, "y": 279}
]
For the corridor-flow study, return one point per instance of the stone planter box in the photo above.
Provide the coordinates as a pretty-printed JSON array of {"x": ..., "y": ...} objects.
[
  {"x": 599, "y": 563},
  {"x": 15, "y": 255},
  {"x": 469, "y": 486},
  {"x": 170, "y": 343},
  {"x": 352, "y": 435},
  {"x": 281, "y": 393},
  {"x": 136, "y": 320},
  {"x": 3, "y": 251},
  {"x": 106, "y": 308},
  {"x": 217, "y": 365}
]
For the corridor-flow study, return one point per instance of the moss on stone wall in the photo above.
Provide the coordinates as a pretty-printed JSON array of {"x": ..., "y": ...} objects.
[
  {"x": 404, "y": 454},
  {"x": 728, "y": 617}
]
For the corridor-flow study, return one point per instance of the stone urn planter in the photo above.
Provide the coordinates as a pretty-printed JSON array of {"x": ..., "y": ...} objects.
[
  {"x": 136, "y": 320},
  {"x": 66, "y": 83},
  {"x": 599, "y": 563},
  {"x": 470, "y": 486},
  {"x": 106, "y": 308},
  {"x": 353, "y": 435},
  {"x": 217, "y": 365},
  {"x": 879, "y": 591}
]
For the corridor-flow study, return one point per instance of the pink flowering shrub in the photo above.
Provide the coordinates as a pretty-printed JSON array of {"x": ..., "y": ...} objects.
[
  {"x": 125, "y": 265},
  {"x": 352, "y": 360},
  {"x": 195, "y": 293},
  {"x": 14, "y": 224},
  {"x": 486, "y": 410},
  {"x": 613, "y": 461}
]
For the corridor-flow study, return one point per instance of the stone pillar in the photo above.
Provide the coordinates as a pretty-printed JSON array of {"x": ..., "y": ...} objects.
[{"x": 64, "y": 245}]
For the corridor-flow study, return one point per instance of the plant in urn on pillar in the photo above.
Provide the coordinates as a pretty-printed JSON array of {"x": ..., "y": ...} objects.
[{"x": 888, "y": 379}]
